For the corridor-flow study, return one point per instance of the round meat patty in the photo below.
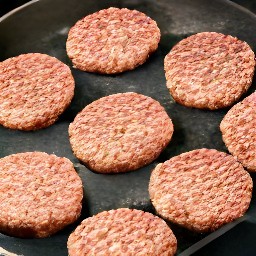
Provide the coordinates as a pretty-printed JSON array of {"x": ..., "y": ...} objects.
[
  {"x": 39, "y": 193},
  {"x": 35, "y": 90},
  {"x": 209, "y": 70},
  {"x": 201, "y": 189},
  {"x": 122, "y": 232},
  {"x": 112, "y": 41},
  {"x": 121, "y": 132},
  {"x": 238, "y": 129}
]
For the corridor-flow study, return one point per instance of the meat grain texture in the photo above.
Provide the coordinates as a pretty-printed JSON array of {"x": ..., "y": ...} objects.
[
  {"x": 201, "y": 190},
  {"x": 238, "y": 129},
  {"x": 39, "y": 193},
  {"x": 35, "y": 91},
  {"x": 122, "y": 232},
  {"x": 209, "y": 70},
  {"x": 120, "y": 132},
  {"x": 112, "y": 40}
]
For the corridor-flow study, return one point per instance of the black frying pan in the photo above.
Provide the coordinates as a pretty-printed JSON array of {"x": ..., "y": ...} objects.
[{"x": 42, "y": 27}]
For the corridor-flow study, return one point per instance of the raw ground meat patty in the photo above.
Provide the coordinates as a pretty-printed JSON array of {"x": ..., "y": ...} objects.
[
  {"x": 122, "y": 232},
  {"x": 238, "y": 129},
  {"x": 35, "y": 90},
  {"x": 39, "y": 193},
  {"x": 201, "y": 189},
  {"x": 112, "y": 41},
  {"x": 209, "y": 70},
  {"x": 120, "y": 132}
]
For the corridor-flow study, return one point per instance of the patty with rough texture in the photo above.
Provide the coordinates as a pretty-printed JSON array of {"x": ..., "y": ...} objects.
[
  {"x": 39, "y": 193},
  {"x": 112, "y": 40},
  {"x": 201, "y": 190},
  {"x": 122, "y": 232},
  {"x": 120, "y": 132},
  {"x": 238, "y": 129},
  {"x": 209, "y": 70},
  {"x": 35, "y": 90}
]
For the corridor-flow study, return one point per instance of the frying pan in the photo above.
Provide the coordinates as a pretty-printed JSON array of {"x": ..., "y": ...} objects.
[{"x": 42, "y": 26}]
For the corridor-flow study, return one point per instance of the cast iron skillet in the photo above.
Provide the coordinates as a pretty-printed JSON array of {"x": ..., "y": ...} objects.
[{"x": 42, "y": 26}]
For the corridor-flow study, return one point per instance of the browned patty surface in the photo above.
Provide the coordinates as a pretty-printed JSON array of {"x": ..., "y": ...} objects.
[
  {"x": 112, "y": 40},
  {"x": 122, "y": 232},
  {"x": 238, "y": 129},
  {"x": 201, "y": 189},
  {"x": 209, "y": 70},
  {"x": 39, "y": 193},
  {"x": 35, "y": 90},
  {"x": 120, "y": 132}
]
